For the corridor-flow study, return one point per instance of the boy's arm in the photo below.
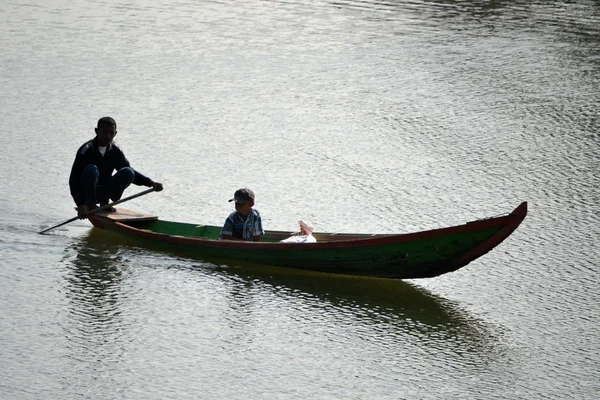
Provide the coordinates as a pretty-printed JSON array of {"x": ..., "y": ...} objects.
[
  {"x": 258, "y": 229},
  {"x": 228, "y": 237},
  {"x": 227, "y": 230}
]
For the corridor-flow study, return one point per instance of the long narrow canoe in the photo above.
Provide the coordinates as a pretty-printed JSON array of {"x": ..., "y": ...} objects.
[{"x": 423, "y": 254}]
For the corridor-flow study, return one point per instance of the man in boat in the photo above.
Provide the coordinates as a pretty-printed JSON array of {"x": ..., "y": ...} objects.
[
  {"x": 245, "y": 222},
  {"x": 92, "y": 180}
]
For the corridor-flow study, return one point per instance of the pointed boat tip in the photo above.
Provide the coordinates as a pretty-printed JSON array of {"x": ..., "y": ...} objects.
[{"x": 521, "y": 209}]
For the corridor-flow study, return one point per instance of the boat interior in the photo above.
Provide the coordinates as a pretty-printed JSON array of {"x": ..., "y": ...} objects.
[{"x": 151, "y": 223}]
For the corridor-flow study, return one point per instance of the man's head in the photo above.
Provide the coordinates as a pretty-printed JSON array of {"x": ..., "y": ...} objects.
[
  {"x": 106, "y": 131},
  {"x": 244, "y": 200}
]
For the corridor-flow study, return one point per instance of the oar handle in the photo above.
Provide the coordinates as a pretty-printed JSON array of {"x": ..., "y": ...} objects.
[{"x": 104, "y": 207}]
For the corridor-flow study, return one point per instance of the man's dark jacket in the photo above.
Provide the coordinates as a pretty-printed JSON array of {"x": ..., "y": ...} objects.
[{"x": 113, "y": 159}]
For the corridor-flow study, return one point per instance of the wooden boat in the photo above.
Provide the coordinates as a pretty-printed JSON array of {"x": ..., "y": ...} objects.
[{"x": 403, "y": 256}]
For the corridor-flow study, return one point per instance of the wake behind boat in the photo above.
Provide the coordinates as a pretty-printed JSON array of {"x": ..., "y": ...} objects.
[{"x": 422, "y": 254}]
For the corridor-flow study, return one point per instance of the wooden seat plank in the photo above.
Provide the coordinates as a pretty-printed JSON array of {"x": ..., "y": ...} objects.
[{"x": 124, "y": 215}]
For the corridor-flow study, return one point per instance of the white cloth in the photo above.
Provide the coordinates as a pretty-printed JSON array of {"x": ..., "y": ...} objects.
[
  {"x": 300, "y": 239},
  {"x": 102, "y": 150}
]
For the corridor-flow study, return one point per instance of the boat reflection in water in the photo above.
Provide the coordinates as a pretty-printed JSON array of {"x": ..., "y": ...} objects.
[
  {"x": 94, "y": 279},
  {"x": 100, "y": 260}
]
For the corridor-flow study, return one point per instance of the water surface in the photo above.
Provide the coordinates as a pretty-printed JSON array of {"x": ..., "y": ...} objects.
[{"x": 359, "y": 116}]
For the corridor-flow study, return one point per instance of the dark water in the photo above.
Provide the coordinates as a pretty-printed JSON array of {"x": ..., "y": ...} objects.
[{"x": 359, "y": 116}]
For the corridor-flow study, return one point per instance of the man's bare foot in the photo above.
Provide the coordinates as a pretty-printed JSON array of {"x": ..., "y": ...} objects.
[{"x": 108, "y": 209}]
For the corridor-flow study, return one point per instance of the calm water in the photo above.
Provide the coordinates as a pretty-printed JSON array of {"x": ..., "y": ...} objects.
[{"x": 361, "y": 116}]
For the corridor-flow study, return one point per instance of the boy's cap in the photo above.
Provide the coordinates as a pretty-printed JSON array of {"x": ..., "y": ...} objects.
[
  {"x": 242, "y": 196},
  {"x": 106, "y": 121}
]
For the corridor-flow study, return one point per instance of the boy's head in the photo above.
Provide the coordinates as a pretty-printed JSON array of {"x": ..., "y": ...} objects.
[
  {"x": 106, "y": 131},
  {"x": 244, "y": 200}
]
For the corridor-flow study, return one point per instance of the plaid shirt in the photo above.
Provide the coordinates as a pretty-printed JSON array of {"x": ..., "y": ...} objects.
[{"x": 244, "y": 228}]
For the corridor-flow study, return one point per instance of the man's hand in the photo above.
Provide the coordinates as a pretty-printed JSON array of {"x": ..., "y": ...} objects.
[
  {"x": 156, "y": 185},
  {"x": 82, "y": 211}
]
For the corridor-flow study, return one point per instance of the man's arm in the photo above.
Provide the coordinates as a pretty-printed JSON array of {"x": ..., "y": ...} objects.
[{"x": 139, "y": 178}]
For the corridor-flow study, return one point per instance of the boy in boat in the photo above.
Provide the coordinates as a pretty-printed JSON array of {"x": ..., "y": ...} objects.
[
  {"x": 245, "y": 222},
  {"x": 91, "y": 179}
]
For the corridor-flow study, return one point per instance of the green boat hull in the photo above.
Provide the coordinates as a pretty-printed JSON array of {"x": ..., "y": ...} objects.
[{"x": 402, "y": 256}]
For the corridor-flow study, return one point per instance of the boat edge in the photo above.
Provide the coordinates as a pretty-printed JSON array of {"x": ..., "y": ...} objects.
[{"x": 518, "y": 215}]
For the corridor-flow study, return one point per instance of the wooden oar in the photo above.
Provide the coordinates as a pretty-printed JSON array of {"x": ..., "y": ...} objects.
[{"x": 104, "y": 207}]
